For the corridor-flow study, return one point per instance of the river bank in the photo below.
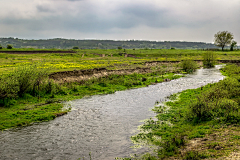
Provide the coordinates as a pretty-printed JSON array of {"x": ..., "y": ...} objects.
[
  {"x": 47, "y": 105},
  {"x": 201, "y": 123},
  {"x": 100, "y": 124}
]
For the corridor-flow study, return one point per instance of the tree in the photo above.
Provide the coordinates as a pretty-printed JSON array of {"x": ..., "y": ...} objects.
[
  {"x": 222, "y": 39},
  {"x": 76, "y": 47},
  {"x": 9, "y": 46},
  {"x": 233, "y": 44}
]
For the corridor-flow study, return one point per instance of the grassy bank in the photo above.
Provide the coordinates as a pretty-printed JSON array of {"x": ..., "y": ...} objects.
[
  {"x": 200, "y": 123},
  {"x": 30, "y": 96}
]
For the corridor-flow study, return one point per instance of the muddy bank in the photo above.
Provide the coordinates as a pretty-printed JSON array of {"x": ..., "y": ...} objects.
[
  {"x": 35, "y": 52},
  {"x": 80, "y": 75}
]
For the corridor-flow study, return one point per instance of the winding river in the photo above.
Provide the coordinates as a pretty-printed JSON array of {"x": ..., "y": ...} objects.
[{"x": 99, "y": 127}]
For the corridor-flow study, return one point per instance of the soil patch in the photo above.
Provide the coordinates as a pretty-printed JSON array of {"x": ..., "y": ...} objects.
[{"x": 81, "y": 75}]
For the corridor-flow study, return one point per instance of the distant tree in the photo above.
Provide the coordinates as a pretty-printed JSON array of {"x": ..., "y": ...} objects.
[
  {"x": 119, "y": 47},
  {"x": 76, "y": 47},
  {"x": 233, "y": 44},
  {"x": 1, "y": 46},
  {"x": 9, "y": 46},
  {"x": 222, "y": 39}
]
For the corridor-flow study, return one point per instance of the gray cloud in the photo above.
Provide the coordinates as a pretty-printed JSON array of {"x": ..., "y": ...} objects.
[
  {"x": 108, "y": 18},
  {"x": 44, "y": 8}
]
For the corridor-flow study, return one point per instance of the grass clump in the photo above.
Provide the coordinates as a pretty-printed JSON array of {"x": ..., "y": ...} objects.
[
  {"x": 209, "y": 59},
  {"x": 188, "y": 65},
  {"x": 23, "y": 80}
]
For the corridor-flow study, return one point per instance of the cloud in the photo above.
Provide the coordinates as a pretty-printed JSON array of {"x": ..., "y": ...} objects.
[{"x": 108, "y": 18}]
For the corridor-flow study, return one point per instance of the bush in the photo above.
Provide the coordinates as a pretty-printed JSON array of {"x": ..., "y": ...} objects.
[
  {"x": 220, "y": 101},
  {"x": 119, "y": 47},
  {"x": 9, "y": 46},
  {"x": 8, "y": 88},
  {"x": 25, "y": 79},
  {"x": 75, "y": 47},
  {"x": 209, "y": 59},
  {"x": 188, "y": 65}
]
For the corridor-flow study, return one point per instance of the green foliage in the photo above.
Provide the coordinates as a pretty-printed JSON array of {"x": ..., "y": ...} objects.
[
  {"x": 29, "y": 78},
  {"x": 194, "y": 155},
  {"x": 1, "y": 46},
  {"x": 219, "y": 102},
  {"x": 221, "y": 39},
  {"x": 188, "y": 65},
  {"x": 24, "y": 79},
  {"x": 8, "y": 88},
  {"x": 209, "y": 59},
  {"x": 75, "y": 47},
  {"x": 119, "y": 47},
  {"x": 233, "y": 44},
  {"x": 9, "y": 46}
]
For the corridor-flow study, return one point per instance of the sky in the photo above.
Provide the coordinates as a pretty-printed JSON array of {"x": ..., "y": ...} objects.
[{"x": 155, "y": 20}]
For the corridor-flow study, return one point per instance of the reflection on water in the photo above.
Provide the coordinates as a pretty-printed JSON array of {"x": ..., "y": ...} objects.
[{"x": 101, "y": 124}]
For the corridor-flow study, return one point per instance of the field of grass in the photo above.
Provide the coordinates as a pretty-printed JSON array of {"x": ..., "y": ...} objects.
[
  {"x": 112, "y": 59},
  {"x": 201, "y": 123}
]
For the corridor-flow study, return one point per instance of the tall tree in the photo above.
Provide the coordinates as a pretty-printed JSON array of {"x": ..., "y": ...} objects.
[
  {"x": 233, "y": 44},
  {"x": 222, "y": 39}
]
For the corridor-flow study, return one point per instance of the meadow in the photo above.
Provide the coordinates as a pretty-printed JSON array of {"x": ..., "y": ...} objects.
[{"x": 110, "y": 59}]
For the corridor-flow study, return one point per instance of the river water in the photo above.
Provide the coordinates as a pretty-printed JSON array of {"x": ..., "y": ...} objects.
[{"x": 100, "y": 124}]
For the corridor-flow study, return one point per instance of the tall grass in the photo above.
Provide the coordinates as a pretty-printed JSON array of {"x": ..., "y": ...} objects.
[
  {"x": 188, "y": 65},
  {"x": 209, "y": 59},
  {"x": 30, "y": 79}
]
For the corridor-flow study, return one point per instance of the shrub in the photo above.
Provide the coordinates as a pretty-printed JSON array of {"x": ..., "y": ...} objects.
[
  {"x": 220, "y": 101},
  {"x": 25, "y": 79},
  {"x": 119, "y": 47},
  {"x": 9, "y": 46},
  {"x": 209, "y": 59},
  {"x": 76, "y": 47},
  {"x": 188, "y": 65},
  {"x": 201, "y": 110},
  {"x": 8, "y": 88}
]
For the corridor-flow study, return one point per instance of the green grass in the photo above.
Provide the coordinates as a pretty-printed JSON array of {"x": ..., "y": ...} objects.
[{"x": 114, "y": 59}]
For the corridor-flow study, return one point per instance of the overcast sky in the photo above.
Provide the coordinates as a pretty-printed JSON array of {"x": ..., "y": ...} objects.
[{"x": 168, "y": 20}]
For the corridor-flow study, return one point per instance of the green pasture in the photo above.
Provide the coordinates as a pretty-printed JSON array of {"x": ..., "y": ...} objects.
[{"x": 111, "y": 59}]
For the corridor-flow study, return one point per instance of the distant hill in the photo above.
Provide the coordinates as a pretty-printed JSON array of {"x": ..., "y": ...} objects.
[{"x": 59, "y": 43}]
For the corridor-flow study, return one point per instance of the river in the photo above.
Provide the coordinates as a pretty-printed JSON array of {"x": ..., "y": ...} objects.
[{"x": 99, "y": 125}]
